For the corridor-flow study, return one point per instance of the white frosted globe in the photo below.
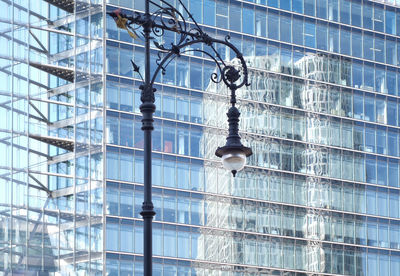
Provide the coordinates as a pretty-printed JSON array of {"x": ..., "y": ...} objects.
[{"x": 234, "y": 161}]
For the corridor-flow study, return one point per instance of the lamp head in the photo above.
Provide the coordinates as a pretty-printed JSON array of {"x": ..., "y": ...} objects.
[{"x": 233, "y": 157}]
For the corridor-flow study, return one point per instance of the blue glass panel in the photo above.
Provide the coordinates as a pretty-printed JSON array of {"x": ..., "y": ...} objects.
[
  {"x": 126, "y": 165},
  {"x": 138, "y": 229},
  {"x": 170, "y": 242},
  {"x": 209, "y": 12},
  {"x": 195, "y": 9},
  {"x": 390, "y": 21},
  {"x": 286, "y": 5},
  {"x": 345, "y": 41},
  {"x": 358, "y": 106},
  {"x": 393, "y": 142},
  {"x": 378, "y": 18},
  {"x": 309, "y": 33},
  {"x": 297, "y": 6},
  {"x": 112, "y": 165},
  {"x": 370, "y": 168},
  {"x": 309, "y": 7},
  {"x": 357, "y": 74},
  {"x": 334, "y": 38},
  {"x": 356, "y": 44},
  {"x": 273, "y": 3},
  {"x": 112, "y": 236},
  {"x": 273, "y": 21},
  {"x": 367, "y": 15},
  {"x": 322, "y": 37},
  {"x": 285, "y": 28},
  {"x": 345, "y": 11},
  {"x": 322, "y": 8},
  {"x": 139, "y": 167},
  {"x": 126, "y": 201},
  {"x": 248, "y": 19},
  {"x": 398, "y": 23},
  {"x": 298, "y": 30},
  {"x": 126, "y": 241},
  {"x": 368, "y": 46},
  {"x": 261, "y": 22},
  {"x": 235, "y": 15},
  {"x": 356, "y": 13}
]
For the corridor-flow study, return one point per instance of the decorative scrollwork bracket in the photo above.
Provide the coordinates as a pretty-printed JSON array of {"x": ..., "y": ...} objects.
[{"x": 166, "y": 18}]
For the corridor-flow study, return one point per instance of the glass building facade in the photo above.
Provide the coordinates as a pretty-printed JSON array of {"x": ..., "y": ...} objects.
[{"x": 319, "y": 196}]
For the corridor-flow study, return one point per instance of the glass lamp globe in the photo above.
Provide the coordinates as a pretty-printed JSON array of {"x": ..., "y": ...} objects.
[{"x": 234, "y": 161}]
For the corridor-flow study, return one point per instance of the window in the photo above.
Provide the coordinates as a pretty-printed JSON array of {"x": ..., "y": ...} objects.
[
  {"x": 297, "y": 6},
  {"x": 285, "y": 28},
  {"x": 126, "y": 98},
  {"x": 126, "y": 241},
  {"x": 273, "y": 22},
  {"x": 112, "y": 164},
  {"x": 393, "y": 173},
  {"x": 393, "y": 143},
  {"x": 369, "y": 76},
  {"x": 169, "y": 207},
  {"x": 309, "y": 7},
  {"x": 370, "y": 167},
  {"x": 322, "y": 37},
  {"x": 357, "y": 72},
  {"x": 209, "y": 12},
  {"x": 126, "y": 202},
  {"x": 368, "y": 44},
  {"x": 126, "y": 165},
  {"x": 356, "y": 43},
  {"x": 356, "y": 14},
  {"x": 369, "y": 108},
  {"x": 248, "y": 19},
  {"x": 333, "y": 10},
  {"x": 358, "y": 106},
  {"x": 367, "y": 16},
  {"x": 345, "y": 11},
  {"x": 309, "y": 33},
  {"x": 382, "y": 169},
  {"x": 183, "y": 245},
  {"x": 297, "y": 30},
  {"x": 112, "y": 235},
  {"x": 345, "y": 41},
  {"x": 235, "y": 16},
  {"x": 321, "y": 8},
  {"x": 125, "y": 56},
  {"x": 378, "y": 18},
  {"x": 182, "y": 72},
  {"x": 390, "y": 20},
  {"x": 261, "y": 21},
  {"x": 112, "y": 199},
  {"x": 379, "y": 48},
  {"x": 112, "y": 60},
  {"x": 333, "y": 38},
  {"x": 381, "y": 146},
  {"x": 126, "y": 130}
]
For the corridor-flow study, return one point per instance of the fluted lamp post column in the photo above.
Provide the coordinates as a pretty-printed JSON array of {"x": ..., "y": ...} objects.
[{"x": 152, "y": 27}]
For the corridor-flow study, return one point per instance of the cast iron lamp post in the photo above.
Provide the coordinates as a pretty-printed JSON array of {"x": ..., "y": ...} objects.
[{"x": 152, "y": 26}]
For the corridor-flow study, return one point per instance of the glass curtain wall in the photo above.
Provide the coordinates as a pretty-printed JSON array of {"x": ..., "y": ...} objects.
[
  {"x": 319, "y": 195},
  {"x": 51, "y": 129}
]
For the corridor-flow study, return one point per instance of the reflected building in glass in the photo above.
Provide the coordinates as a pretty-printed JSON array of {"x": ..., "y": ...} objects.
[{"x": 319, "y": 196}]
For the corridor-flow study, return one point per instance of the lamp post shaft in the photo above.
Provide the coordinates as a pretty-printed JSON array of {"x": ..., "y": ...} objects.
[{"x": 147, "y": 108}]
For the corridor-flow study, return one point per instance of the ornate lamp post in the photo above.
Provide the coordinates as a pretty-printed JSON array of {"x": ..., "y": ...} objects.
[{"x": 152, "y": 26}]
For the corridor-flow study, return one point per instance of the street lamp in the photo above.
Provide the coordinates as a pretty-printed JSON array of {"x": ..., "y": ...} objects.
[{"x": 153, "y": 27}]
